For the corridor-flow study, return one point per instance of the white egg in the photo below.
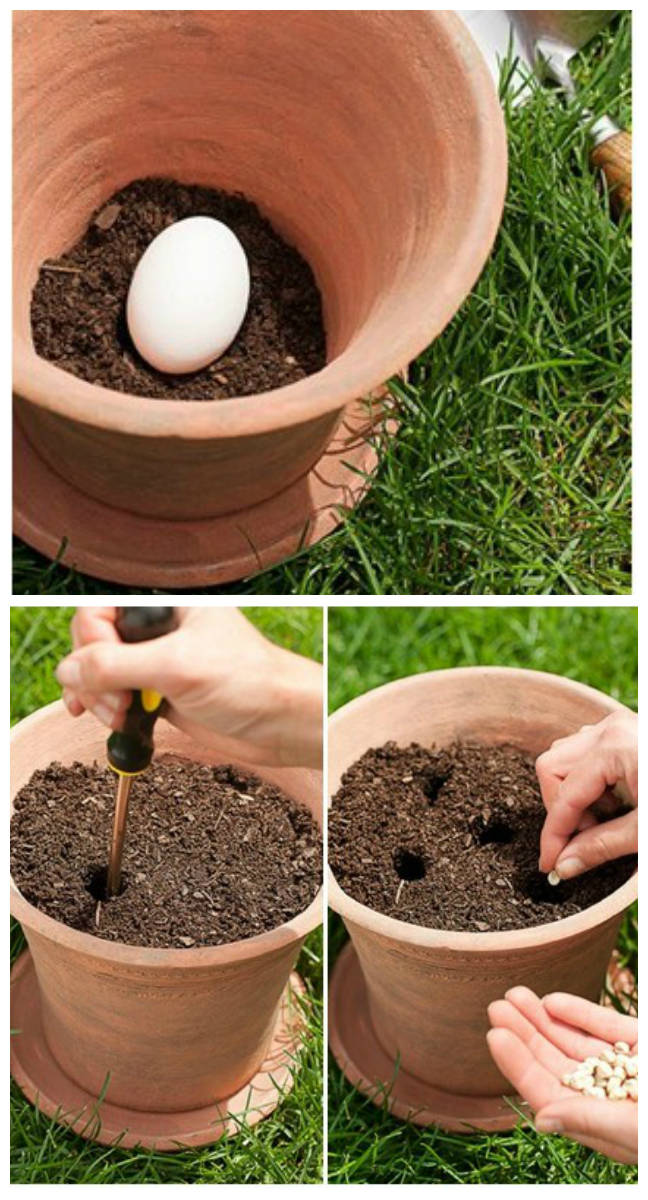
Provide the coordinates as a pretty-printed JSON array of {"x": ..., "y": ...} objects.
[{"x": 188, "y": 295}]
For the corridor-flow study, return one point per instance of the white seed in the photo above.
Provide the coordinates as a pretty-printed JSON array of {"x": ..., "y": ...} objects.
[
  {"x": 618, "y": 1073},
  {"x": 553, "y": 878},
  {"x": 597, "y": 1092},
  {"x": 608, "y": 1056},
  {"x": 632, "y": 1066},
  {"x": 621, "y": 1060},
  {"x": 622, "y": 1047},
  {"x": 592, "y": 1062},
  {"x": 618, "y": 1094},
  {"x": 632, "y": 1089},
  {"x": 603, "y": 1071}
]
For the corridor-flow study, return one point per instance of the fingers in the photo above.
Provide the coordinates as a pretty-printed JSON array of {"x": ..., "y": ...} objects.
[
  {"x": 604, "y": 1023},
  {"x": 610, "y": 1127},
  {"x": 567, "y": 1036},
  {"x": 599, "y": 844},
  {"x": 93, "y": 625},
  {"x": 109, "y": 708},
  {"x": 72, "y": 703},
  {"x": 504, "y": 1015},
  {"x": 577, "y": 791},
  {"x": 102, "y": 668},
  {"x": 535, "y": 1084}
]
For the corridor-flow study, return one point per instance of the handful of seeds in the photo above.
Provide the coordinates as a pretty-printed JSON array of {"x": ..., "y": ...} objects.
[{"x": 611, "y": 1075}]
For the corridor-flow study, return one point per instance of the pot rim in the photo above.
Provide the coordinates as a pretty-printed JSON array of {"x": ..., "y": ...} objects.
[
  {"x": 57, "y": 391},
  {"x": 145, "y": 957},
  {"x": 473, "y": 942}
]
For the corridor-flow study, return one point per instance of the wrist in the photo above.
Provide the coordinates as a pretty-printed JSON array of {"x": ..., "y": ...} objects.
[{"x": 297, "y": 702}]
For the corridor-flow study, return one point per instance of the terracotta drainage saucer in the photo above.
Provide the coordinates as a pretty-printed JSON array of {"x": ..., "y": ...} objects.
[
  {"x": 39, "y": 1076},
  {"x": 127, "y": 548},
  {"x": 369, "y": 1068}
]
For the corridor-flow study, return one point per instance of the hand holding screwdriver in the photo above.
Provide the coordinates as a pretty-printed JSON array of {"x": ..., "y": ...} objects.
[{"x": 225, "y": 684}]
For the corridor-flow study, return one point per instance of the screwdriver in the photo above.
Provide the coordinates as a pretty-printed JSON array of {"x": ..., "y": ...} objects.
[{"x": 130, "y": 749}]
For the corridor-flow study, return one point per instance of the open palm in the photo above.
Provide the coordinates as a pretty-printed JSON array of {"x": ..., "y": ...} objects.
[{"x": 535, "y": 1042}]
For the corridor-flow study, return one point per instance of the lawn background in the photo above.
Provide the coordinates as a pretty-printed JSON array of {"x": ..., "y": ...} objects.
[
  {"x": 284, "y": 1148},
  {"x": 511, "y": 470},
  {"x": 369, "y": 647}
]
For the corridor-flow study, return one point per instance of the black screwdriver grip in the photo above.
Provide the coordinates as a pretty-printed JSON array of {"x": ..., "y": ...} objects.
[
  {"x": 130, "y": 749},
  {"x": 144, "y": 624}
]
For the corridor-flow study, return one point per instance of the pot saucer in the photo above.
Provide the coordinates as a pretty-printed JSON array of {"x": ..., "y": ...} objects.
[
  {"x": 369, "y": 1068},
  {"x": 44, "y": 1083},
  {"x": 152, "y": 552}
]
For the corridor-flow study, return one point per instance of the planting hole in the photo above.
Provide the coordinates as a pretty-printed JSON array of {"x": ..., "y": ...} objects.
[
  {"x": 96, "y": 883},
  {"x": 431, "y": 785},
  {"x": 537, "y": 888},
  {"x": 408, "y": 865},
  {"x": 496, "y": 833}
]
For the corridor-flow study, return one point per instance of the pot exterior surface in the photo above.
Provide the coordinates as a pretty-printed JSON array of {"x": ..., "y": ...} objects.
[
  {"x": 167, "y": 1041},
  {"x": 429, "y": 991},
  {"x": 428, "y": 1008},
  {"x": 174, "y": 1030},
  {"x": 175, "y": 478},
  {"x": 303, "y": 112}
]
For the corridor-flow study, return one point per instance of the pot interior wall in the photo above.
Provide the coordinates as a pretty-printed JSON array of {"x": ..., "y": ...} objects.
[
  {"x": 527, "y": 709},
  {"x": 352, "y": 131}
]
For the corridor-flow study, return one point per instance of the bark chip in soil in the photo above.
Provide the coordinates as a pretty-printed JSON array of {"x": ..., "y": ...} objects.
[
  {"x": 78, "y": 304},
  {"x": 212, "y": 854},
  {"x": 449, "y": 839}
]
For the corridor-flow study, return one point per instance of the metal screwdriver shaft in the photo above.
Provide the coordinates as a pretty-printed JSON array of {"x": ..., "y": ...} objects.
[
  {"x": 130, "y": 749},
  {"x": 113, "y": 878}
]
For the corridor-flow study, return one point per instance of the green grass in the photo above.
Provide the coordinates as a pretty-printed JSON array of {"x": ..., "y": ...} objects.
[
  {"x": 368, "y": 647},
  {"x": 284, "y": 1148},
  {"x": 511, "y": 471}
]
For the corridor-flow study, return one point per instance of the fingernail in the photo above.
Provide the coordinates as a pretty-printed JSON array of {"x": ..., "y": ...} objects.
[
  {"x": 568, "y": 867},
  {"x": 105, "y": 714},
  {"x": 68, "y": 673},
  {"x": 549, "y": 1125}
]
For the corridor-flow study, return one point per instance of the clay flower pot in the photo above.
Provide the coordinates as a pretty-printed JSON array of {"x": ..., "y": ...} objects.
[
  {"x": 373, "y": 141},
  {"x": 184, "y": 1037},
  {"x": 408, "y": 1004}
]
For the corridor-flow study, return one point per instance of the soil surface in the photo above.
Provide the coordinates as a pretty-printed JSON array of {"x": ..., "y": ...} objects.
[
  {"x": 78, "y": 305},
  {"x": 212, "y": 854},
  {"x": 449, "y": 839}
]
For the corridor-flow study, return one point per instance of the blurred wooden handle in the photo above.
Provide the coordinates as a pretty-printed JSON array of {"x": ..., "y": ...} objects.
[{"x": 614, "y": 158}]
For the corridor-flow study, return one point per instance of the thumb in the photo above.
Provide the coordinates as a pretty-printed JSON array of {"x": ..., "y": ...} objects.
[
  {"x": 593, "y": 1121},
  {"x": 113, "y": 666},
  {"x": 598, "y": 844}
]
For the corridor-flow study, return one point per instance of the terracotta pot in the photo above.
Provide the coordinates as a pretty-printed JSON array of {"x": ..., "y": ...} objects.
[
  {"x": 177, "y": 1030},
  {"x": 425, "y": 990},
  {"x": 373, "y": 141}
]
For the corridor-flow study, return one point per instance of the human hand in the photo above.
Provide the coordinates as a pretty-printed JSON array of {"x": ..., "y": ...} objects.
[
  {"x": 574, "y": 774},
  {"x": 225, "y": 684},
  {"x": 535, "y": 1042}
]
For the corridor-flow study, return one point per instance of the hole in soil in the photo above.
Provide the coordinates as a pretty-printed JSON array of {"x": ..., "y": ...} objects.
[
  {"x": 431, "y": 785},
  {"x": 537, "y": 888},
  {"x": 496, "y": 833},
  {"x": 96, "y": 883},
  {"x": 409, "y": 865}
]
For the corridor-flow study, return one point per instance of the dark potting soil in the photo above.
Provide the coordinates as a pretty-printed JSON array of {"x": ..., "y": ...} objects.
[
  {"x": 78, "y": 305},
  {"x": 449, "y": 839},
  {"x": 212, "y": 854}
]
